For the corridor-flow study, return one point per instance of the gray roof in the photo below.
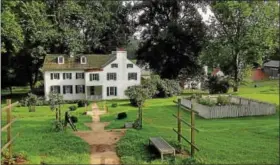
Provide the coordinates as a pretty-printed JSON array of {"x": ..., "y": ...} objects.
[{"x": 272, "y": 63}]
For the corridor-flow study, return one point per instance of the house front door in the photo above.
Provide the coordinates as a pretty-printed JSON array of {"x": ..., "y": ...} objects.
[{"x": 92, "y": 90}]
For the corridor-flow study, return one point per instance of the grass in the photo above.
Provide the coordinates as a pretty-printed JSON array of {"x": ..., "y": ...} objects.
[
  {"x": 246, "y": 140},
  {"x": 265, "y": 91},
  {"x": 40, "y": 144}
]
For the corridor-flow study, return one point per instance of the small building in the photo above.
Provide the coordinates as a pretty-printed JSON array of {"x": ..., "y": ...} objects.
[
  {"x": 90, "y": 77},
  {"x": 271, "y": 68},
  {"x": 217, "y": 72},
  {"x": 258, "y": 74}
]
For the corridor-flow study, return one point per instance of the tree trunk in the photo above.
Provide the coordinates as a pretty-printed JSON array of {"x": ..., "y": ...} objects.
[
  {"x": 11, "y": 90},
  {"x": 140, "y": 117},
  {"x": 56, "y": 114},
  {"x": 59, "y": 114}
]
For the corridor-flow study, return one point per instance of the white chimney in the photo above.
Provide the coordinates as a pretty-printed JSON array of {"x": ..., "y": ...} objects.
[
  {"x": 121, "y": 54},
  {"x": 205, "y": 69}
]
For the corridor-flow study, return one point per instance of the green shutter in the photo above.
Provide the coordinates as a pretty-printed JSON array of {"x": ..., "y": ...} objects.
[
  {"x": 83, "y": 89},
  {"x": 70, "y": 75},
  {"x": 59, "y": 89},
  {"x": 51, "y": 76},
  {"x": 63, "y": 75},
  {"x": 71, "y": 89},
  {"x": 97, "y": 77},
  {"x": 64, "y": 90},
  {"x": 108, "y": 91},
  {"x": 115, "y": 91},
  {"x": 76, "y": 88}
]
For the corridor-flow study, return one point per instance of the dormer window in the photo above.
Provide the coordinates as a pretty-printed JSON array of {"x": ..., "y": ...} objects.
[
  {"x": 83, "y": 60},
  {"x": 60, "y": 60}
]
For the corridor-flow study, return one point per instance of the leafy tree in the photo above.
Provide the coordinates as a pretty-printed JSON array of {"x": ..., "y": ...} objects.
[
  {"x": 11, "y": 31},
  {"x": 31, "y": 101},
  {"x": 140, "y": 94},
  {"x": 241, "y": 33},
  {"x": 172, "y": 38},
  {"x": 55, "y": 101}
]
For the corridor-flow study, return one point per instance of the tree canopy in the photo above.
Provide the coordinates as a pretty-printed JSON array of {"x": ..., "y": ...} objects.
[
  {"x": 172, "y": 38},
  {"x": 240, "y": 34}
]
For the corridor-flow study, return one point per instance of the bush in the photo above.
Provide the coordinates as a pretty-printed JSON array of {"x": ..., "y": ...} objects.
[
  {"x": 70, "y": 101},
  {"x": 217, "y": 85},
  {"x": 74, "y": 119},
  {"x": 206, "y": 101},
  {"x": 73, "y": 108},
  {"x": 122, "y": 115},
  {"x": 82, "y": 103},
  {"x": 165, "y": 87},
  {"x": 223, "y": 100},
  {"x": 114, "y": 104}
]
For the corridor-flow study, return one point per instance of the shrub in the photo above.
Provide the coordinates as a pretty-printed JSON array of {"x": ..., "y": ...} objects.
[
  {"x": 82, "y": 103},
  {"x": 122, "y": 115},
  {"x": 138, "y": 94},
  {"x": 71, "y": 101},
  {"x": 74, "y": 119},
  {"x": 217, "y": 85},
  {"x": 114, "y": 104},
  {"x": 223, "y": 100},
  {"x": 73, "y": 108},
  {"x": 206, "y": 101}
]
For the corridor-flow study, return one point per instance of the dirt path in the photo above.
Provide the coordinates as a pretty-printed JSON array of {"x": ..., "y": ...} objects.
[{"x": 102, "y": 142}]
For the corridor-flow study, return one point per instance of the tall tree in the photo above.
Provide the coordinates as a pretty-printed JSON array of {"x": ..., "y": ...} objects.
[
  {"x": 242, "y": 33},
  {"x": 172, "y": 37},
  {"x": 37, "y": 31}
]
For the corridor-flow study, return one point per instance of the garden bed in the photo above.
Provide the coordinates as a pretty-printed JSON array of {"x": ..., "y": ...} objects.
[{"x": 235, "y": 107}]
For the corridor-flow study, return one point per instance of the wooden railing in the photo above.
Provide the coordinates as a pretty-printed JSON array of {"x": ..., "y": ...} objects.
[{"x": 8, "y": 127}]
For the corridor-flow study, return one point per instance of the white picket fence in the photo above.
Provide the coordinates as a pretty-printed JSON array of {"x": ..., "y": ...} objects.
[{"x": 244, "y": 107}]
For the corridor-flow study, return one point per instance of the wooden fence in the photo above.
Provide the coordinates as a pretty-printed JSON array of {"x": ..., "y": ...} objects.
[
  {"x": 8, "y": 127},
  {"x": 241, "y": 107},
  {"x": 189, "y": 107}
]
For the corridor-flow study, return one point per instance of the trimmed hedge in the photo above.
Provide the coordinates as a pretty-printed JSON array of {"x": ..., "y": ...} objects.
[
  {"x": 73, "y": 108},
  {"x": 122, "y": 115}
]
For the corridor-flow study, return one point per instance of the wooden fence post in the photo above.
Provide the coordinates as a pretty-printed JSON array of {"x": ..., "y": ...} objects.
[
  {"x": 10, "y": 127},
  {"x": 192, "y": 131},
  {"x": 179, "y": 122}
]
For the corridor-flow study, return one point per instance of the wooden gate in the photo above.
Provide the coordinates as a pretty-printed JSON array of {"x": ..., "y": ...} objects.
[
  {"x": 8, "y": 127},
  {"x": 189, "y": 107}
]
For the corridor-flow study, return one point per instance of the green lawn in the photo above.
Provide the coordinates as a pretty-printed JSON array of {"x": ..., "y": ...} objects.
[
  {"x": 40, "y": 144},
  {"x": 221, "y": 141},
  {"x": 266, "y": 91},
  {"x": 247, "y": 140}
]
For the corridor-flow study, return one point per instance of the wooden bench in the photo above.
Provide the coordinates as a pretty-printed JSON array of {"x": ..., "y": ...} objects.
[{"x": 162, "y": 146}]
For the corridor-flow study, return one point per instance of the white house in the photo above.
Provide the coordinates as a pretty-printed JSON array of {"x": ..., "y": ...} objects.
[{"x": 90, "y": 77}]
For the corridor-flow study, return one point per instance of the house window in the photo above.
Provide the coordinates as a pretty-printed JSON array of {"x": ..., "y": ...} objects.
[
  {"x": 80, "y": 89},
  {"x": 60, "y": 60},
  {"x": 111, "y": 91},
  {"x": 83, "y": 60},
  {"x": 94, "y": 77},
  {"x": 55, "y": 89},
  {"x": 111, "y": 76},
  {"x": 114, "y": 65},
  {"x": 132, "y": 76},
  {"x": 67, "y": 75},
  {"x": 55, "y": 76},
  {"x": 129, "y": 65},
  {"x": 67, "y": 89},
  {"x": 80, "y": 75}
]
